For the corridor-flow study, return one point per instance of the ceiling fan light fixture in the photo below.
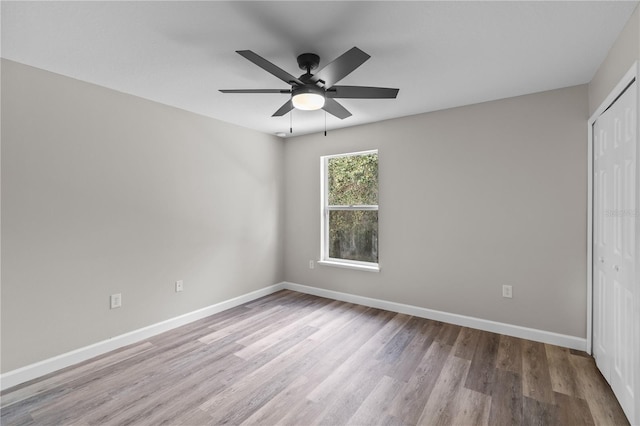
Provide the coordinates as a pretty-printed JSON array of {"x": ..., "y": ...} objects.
[{"x": 308, "y": 98}]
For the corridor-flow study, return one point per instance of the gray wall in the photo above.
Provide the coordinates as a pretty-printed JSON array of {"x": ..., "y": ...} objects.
[
  {"x": 624, "y": 52},
  {"x": 470, "y": 199},
  {"x": 103, "y": 192}
]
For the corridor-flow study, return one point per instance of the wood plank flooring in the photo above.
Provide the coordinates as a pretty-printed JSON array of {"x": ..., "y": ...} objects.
[{"x": 296, "y": 359}]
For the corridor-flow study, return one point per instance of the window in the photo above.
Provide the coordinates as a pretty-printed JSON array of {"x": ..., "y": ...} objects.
[{"x": 350, "y": 210}]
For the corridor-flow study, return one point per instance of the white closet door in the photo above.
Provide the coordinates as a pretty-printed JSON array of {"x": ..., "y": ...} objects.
[{"x": 615, "y": 192}]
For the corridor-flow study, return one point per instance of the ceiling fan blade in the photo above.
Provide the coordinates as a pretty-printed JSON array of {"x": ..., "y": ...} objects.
[
  {"x": 269, "y": 67},
  {"x": 334, "y": 108},
  {"x": 255, "y": 91},
  {"x": 362, "y": 92},
  {"x": 288, "y": 106},
  {"x": 340, "y": 67}
]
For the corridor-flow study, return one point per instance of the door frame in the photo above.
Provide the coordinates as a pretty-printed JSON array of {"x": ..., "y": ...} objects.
[{"x": 630, "y": 75}]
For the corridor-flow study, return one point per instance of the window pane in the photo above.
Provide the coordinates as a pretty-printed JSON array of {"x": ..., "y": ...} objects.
[
  {"x": 353, "y": 180},
  {"x": 353, "y": 235}
]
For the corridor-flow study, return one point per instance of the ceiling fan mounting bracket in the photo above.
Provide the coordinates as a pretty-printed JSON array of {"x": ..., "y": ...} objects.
[{"x": 308, "y": 61}]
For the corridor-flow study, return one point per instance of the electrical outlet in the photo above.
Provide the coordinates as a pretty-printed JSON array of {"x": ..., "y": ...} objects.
[
  {"x": 179, "y": 286},
  {"x": 311, "y": 265},
  {"x": 507, "y": 291},
  {"x": 116, "y": 300}
]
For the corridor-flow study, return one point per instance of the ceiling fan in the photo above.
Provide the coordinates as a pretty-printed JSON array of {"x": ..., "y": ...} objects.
[{"x": 318, "y": 91}]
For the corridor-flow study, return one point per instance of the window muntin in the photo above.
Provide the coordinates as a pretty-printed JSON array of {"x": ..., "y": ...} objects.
[{"x": 350, "y": 209}]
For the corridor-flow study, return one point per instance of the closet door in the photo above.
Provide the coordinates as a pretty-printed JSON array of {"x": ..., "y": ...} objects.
[{"x": 614, "y": 249}]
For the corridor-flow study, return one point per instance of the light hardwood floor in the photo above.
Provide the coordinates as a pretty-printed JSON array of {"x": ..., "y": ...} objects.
[{"x": 295, "y": 359}]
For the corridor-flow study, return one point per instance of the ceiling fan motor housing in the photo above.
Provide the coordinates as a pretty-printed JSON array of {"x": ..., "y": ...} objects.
[{"x": 309, "y": 88}]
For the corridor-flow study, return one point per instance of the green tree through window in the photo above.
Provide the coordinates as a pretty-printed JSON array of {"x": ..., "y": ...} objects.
[{"x": 351, "y": 207}]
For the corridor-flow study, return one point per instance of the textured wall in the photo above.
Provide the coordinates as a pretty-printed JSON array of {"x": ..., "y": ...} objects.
[
  {"x": 624, "y": 52},
  {"x": 106, "y": 193},
  {"x": 470, "y": 199}
]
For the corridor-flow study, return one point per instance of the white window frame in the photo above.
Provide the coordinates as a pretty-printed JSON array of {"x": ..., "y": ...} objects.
[{"x": 324, "y": 217}]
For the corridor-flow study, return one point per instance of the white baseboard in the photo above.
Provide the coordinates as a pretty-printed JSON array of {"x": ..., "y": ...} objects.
[
  {"x": 542, "y": 336},
  {"x": 39, "y": 369}
]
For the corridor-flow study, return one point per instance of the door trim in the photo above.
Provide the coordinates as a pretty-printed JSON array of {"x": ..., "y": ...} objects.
[{"x": 632, "y": 74}]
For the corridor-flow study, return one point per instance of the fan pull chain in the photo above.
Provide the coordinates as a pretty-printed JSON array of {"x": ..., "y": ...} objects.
[
  {"x": 291, "y": 122},
  {"x": 325, "y": 123}
]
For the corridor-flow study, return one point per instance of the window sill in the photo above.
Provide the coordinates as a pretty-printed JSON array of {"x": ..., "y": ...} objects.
[{"x": 348, "y": 265}]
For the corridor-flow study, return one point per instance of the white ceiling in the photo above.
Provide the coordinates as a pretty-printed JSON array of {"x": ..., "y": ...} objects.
[{"x": 440, "y": 54}]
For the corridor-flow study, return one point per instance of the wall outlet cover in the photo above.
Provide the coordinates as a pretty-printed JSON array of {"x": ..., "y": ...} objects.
[
  {"x": 115, "y": 300},
  {"x": 507, "y": 291}
]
